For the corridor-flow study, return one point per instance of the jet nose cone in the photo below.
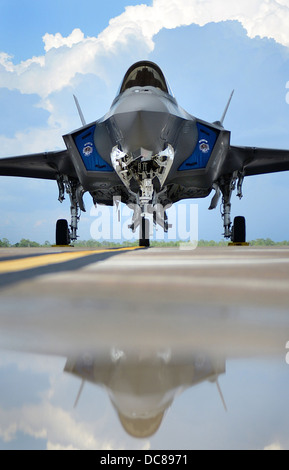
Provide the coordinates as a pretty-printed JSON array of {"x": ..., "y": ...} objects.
[
  {"x": 143, "y": 129},
  {"x": 142, "y": 116},
  {"x": 143, "y": 123}
]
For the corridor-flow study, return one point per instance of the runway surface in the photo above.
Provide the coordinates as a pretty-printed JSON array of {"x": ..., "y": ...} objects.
[
  {"x": 164, "y": 340},
  {"x": 234, "y": 299}
]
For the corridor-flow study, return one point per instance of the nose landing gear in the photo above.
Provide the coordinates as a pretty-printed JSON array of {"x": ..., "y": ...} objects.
[{"x": 144, "y": 234}]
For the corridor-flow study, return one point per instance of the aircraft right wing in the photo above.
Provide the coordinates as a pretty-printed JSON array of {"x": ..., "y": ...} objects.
[{"x": 47, "y": 165}]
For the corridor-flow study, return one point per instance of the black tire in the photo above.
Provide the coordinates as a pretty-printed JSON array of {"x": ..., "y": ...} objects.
[
  {"x": 62, "y": 232},
  {"x": 144, "y": 236},
  {"x": 239, "y": 230}
]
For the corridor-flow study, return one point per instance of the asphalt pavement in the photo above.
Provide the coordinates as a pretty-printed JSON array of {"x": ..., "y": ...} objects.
[{"x": 233, "y": 300}]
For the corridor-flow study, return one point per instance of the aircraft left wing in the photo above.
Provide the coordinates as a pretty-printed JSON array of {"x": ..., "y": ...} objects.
[
  {"x": 47, "y": 165},
  {"x": 256, "y": 161}
]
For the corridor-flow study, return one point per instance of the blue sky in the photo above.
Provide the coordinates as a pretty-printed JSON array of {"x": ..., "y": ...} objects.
[
  {"x": 52, "y": 50},
  {"x": 22, "y": 24}
]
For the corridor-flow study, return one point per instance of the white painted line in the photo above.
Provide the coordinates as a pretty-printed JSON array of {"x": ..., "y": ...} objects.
[
  {"x": 155, "y": 280},
  {"x": 148, "y": 263}
]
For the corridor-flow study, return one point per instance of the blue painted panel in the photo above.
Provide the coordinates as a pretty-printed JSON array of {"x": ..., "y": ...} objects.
[
  {"x": 87, "y": 150},
  {"x": 203, "y": 150}
]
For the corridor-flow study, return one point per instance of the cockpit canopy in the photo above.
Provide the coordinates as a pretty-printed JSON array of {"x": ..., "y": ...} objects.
[{"x": 144, "y": 74}]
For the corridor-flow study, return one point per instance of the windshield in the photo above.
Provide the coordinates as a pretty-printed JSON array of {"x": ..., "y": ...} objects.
[{"x": 144, "y": 74}]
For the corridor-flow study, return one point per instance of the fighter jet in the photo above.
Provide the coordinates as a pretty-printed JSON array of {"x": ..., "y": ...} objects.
[{"x": 148, "y": 153}]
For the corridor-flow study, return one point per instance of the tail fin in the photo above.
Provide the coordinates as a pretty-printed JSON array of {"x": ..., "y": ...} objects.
[
  {"x": 226, "y": 108},
  {"x": 221, "y": 395},
  {"x": 79, "y": 111},
  {"x": 79, "y": 393}
]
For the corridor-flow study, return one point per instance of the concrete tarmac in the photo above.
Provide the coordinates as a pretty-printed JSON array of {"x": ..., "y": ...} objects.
[
  {"x": 232, "y": 300},
  {"x": 142, "y": 326}
]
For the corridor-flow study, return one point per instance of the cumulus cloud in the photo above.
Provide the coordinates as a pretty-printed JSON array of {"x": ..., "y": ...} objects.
[
  {"x": 64, "y": 57},
  {"x": 259, "y": 18},
  {"x": 30, "y": 141},
  {"x": 53, "y": 424},
  {"x": 57, "y": 40},
  {"x": 60, "y": 429}
]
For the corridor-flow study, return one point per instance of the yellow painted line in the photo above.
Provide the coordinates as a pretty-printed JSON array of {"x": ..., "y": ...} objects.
[{"x": 48, "y": 259}]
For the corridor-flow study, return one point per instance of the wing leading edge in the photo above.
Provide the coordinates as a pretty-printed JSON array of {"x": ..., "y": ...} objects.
[
  {"x": 46, "y": 165},
  {"x": 256, "y": 161}
]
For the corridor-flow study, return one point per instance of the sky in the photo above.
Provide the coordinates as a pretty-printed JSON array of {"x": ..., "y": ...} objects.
[{"x": 206, "y": 48}]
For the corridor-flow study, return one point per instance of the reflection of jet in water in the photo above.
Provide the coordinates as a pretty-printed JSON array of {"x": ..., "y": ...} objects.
[{"x": 142, "y": 386}]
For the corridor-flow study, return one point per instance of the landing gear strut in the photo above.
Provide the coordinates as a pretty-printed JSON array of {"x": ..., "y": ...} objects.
[
  {"x": 147, "y": 217},
  {"x": 66, "y": 234},
  {"x": 227, "y": 184},
  {"x": 143, "y": 222}
]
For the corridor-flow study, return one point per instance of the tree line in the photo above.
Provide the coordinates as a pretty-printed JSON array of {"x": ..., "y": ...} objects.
[{"x": 26, "y": 243}]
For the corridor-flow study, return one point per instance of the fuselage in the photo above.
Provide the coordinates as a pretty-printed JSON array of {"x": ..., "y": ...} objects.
[{"x": 143, "y": 121}]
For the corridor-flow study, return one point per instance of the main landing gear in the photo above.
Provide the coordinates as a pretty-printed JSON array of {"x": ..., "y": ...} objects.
[
  {"x": 66, "y": 234},
  {"x": 225, "y": 186}
]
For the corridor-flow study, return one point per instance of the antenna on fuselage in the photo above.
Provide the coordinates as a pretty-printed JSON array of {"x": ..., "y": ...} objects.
[{"x": 79, "y": 111}]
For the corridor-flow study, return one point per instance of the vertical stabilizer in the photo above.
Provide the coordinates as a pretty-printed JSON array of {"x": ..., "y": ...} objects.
[
  {"x": 79, "y": 393},
  {"x": 221, "y": 395},
  {"x": 79, "y": 111},
  {"x": 226, "y": 108}
]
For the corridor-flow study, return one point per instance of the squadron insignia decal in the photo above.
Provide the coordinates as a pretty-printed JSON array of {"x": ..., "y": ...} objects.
[
  {"x": 88, "y": 149},
  {"x": 204, "y": 146}
]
